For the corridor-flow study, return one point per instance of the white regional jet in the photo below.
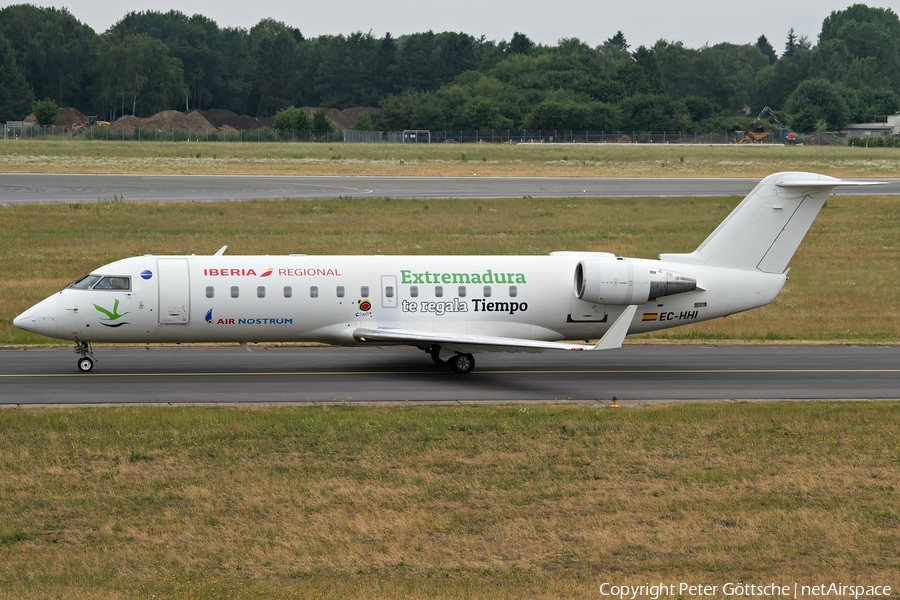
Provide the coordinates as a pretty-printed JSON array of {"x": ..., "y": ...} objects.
[{"x": 449, "y": 306}]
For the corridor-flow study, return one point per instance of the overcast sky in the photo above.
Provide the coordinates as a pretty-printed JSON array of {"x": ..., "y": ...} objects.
[{"x": 693, "y": 22}]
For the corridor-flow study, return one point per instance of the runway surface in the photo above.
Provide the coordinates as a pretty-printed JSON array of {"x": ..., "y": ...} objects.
[
  {"x": 634, "y": 374},
  {"x": 40, "y": 188}
]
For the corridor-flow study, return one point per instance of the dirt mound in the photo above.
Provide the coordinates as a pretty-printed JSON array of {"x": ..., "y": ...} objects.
[
  {"x": 229, "y": 129},
  {"x": 128, "y": 124},
  {"x": 349, "y": 115},
  {"x": 168, "y": 120},
  {"x": 220, "y": 118},
  {"x": 66, "y": 117}
]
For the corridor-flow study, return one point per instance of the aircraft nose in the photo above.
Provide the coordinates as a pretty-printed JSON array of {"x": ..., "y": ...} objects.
[
  {"x": 40, "y": 318},
  {"x": 27, "y": 320}
]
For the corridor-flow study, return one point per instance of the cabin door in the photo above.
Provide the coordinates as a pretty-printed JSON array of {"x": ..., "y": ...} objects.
[{"x": 174, "y": 291}]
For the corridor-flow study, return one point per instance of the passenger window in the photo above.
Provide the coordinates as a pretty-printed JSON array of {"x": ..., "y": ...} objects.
[
  {"x": 235, "y": 291},
  {"x": 438, "y": 291},
  {"x": 85, "y": 283},
  {"x": 364, "y": 291},
  {"x": 413, "y": 291},
  {"x": 462, "y": 291},
  {"x": 261, "y": 291},
  {"x": 288, "y": 292},
  {"x": 388, "y": 291},
  {"x": 513, "y": 291},
  {"x": 487, "y": 291},
  {"x": 313, "y": 291},
  {"x": 210, "y": 291},
  {"x": 340, "y": 291}
]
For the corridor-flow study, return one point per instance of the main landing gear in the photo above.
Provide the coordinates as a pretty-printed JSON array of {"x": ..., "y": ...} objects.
[
  {"x": 460, "y": 363},
  {"x": 86, "y": 362}
]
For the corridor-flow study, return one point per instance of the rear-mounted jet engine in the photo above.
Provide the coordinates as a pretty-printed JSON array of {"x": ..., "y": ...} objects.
[{"x": 624, "y": 281}]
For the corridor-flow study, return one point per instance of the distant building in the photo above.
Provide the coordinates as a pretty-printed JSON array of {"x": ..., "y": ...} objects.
[{"x": 889, "y": 129}]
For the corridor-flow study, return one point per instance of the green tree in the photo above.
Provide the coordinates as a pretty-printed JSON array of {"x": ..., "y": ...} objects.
[
  {"x": 344, "y": 70},
  {"x": 480, "y": 114},
  {"x": 618, "y": 41},
  {"x": 766, "y": 48},
  {"x": 775, "y": 83},
  {"x": 274, "y": 49},
  {"x": 16, "y": 96},
  {"x": 653, "y": 112},
  {"x": 45, "y": 111},
  {"x": 454, "y": 53},
  {"x": 416, "y": 67},
  {"x": 794, "y": 43},
  {"x": 137, "y": 72},
  {"x": 195, "y": 41},
  {"x": 830, "y": 61},
  {"x": 868, "y": 33},
  {"x": 520, "y": 44},
  {"x": 292, "y": 119},
  {"x": 364, "y": 121},
  {"x": 821, "y": 98},
  {"x": 53, "y": 48},
  {"x": 321, "y": 122}
]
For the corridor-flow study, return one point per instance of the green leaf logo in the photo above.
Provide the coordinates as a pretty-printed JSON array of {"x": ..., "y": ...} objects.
[{"x": 111, "y": 315}]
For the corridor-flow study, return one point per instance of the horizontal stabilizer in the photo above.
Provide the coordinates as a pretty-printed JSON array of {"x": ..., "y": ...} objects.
[{"x": 826, "y": 183}]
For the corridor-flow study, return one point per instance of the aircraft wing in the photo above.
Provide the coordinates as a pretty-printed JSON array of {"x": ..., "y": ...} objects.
[{"x": 484, "y": 343}]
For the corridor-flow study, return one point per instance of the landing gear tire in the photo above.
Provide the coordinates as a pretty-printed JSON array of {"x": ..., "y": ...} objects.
[
  {"x": 435, "y": 353},
  {"x": 462, "y": 363},
  {"x": 86, "y": 362}
]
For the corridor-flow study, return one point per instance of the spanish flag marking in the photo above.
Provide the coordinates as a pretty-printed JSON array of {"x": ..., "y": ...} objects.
[{"x": 650, "y": 316}]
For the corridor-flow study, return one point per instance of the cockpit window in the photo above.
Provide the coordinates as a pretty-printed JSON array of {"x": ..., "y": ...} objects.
[
  {"x": 86, "y": 282},
  {"x": 99, "y": 282},
  {"x": 114, "y": 283}
]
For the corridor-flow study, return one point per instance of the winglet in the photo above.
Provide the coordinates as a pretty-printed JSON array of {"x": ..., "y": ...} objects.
[
  {"x": 221, "y": 251},
  {"x": 615, "y": 335}
]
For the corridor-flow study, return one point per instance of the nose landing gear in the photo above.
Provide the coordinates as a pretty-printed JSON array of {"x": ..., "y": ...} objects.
[{"x": 86, "y": 362}]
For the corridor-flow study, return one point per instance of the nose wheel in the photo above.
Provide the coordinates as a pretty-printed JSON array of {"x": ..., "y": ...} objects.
[{"x": 86, "y": 362}]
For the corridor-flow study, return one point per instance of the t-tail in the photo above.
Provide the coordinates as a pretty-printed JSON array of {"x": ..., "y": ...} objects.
[{"x": 764, "y": 230}]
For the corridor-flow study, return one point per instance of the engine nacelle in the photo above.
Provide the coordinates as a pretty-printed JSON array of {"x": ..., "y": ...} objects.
[{"x": 623, "y": 281}]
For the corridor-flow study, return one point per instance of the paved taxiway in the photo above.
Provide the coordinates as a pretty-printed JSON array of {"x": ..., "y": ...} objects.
[
  {"x": 16, "y": 188},
  {"x": 636, "y": 373}
]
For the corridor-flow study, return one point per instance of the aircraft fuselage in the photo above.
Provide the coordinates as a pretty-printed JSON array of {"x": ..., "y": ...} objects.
[{"x": 325, "y": 298}]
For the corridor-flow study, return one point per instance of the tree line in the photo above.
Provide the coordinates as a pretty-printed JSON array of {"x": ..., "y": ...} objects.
[{"x": 151, "y": 61}]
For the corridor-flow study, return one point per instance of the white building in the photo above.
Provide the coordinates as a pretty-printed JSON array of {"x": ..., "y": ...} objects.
[{"x": 889, "y": 129}]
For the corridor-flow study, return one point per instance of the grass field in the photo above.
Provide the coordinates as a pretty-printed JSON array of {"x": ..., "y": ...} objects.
[
  {"x": 537, "y": 501},
  {"x": 842, "y": 289},
  {"x": 461, "y": 160},
  {"x": 543, "y": 501}
]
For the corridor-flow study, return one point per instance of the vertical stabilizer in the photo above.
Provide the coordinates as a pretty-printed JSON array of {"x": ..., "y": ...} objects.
[{"x": 764, "y": 230}]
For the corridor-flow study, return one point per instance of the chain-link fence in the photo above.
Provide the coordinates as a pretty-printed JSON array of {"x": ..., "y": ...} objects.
[{"x": 494, "y": 136}]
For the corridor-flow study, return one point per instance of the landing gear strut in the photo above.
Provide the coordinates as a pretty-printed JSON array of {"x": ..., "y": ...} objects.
[
  {"x": 86, "y": 362},
  {"x": 435, "y": 352}
]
